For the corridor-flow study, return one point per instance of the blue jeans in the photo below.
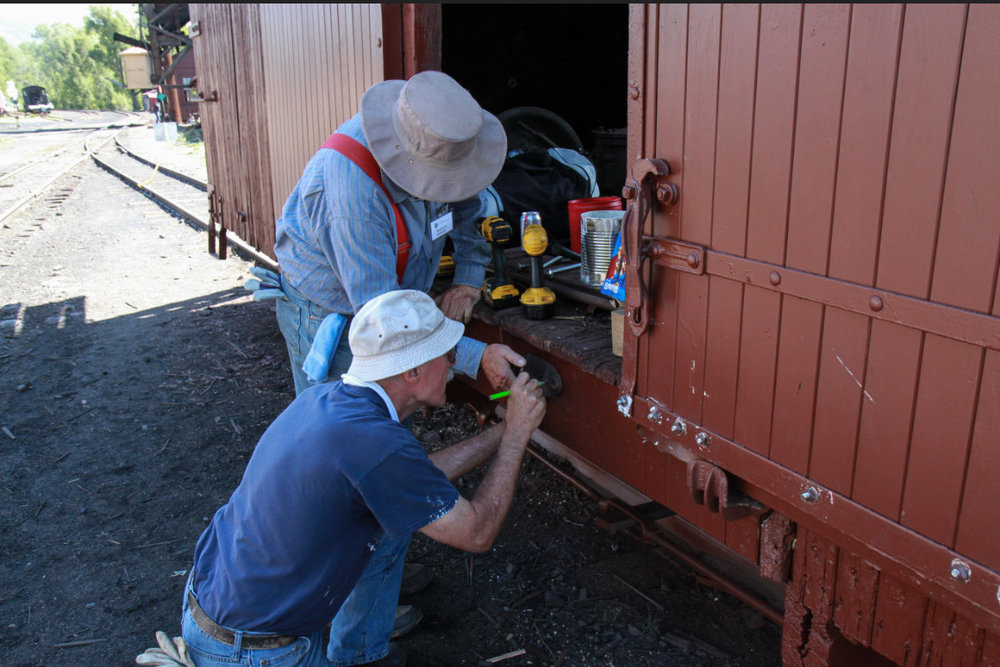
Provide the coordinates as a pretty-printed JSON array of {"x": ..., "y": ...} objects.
[
  {"x": 359, "y": 633},
  {"x": 299, "y": 319}
]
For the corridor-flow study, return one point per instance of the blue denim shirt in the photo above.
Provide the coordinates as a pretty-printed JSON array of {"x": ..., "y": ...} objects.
[{"x": 336, "y": 238}]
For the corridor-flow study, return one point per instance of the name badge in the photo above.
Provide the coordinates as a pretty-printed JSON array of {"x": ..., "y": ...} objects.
[{"x": 441, "y": 226}]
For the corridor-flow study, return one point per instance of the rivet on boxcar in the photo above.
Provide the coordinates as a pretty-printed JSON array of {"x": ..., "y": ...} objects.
[
  {"x": 678, "y": 428},
  {"x": 655, "y": 415},
  {"x": 775, "y": 278},
  {"x": 810, "y": 495},
  {"x": 876, "y": 303},
  {"x": 960, "y": 570},
  {"x": 701, "y": 439}
]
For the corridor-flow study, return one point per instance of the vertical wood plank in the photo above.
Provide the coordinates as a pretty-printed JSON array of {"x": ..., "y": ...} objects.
[
  {"x": 942, "y": 426},
  {"x": 899, "y": 619},
  {"x": 795, "y": 383},
  {"x": 657, "y": 347},
  {"x": 777, "y": 73},
  {"x": 857, "y": 586},
  {"x": 868, "y": 87},
  {"x": 950, "y": 639},
  {"x": 930, "y": 51},
  {"x": 977, "y": 526},
  {"x": 737, "y": 79},
  {"x": 817, "y": 134},
  {"x": 864, "y": 140},
  {"x": 891, "y": 372},
  {"x": 696, "y": 207},
  {"x": 840, "y": 392}
]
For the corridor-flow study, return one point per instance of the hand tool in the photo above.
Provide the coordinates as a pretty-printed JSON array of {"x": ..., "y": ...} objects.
[
  {"x": 498, "y": 291},
  {"x": 538, "y": 300},
  {"x": 544, "y": 373}
]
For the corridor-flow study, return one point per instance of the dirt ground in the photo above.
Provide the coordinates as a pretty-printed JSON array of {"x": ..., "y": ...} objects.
[{"x": 135, "y": 377}]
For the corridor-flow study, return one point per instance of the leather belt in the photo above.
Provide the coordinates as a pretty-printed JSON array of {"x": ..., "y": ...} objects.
[{"x": 227, "y": 637}]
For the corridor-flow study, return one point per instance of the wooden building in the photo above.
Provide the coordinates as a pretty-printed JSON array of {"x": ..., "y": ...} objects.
[{"x": 812, "y": 329}]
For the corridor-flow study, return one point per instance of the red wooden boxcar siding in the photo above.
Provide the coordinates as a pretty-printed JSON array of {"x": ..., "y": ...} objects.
[
  {"x": 214, "y": 56},
  {"x": 858, "y": 142},
  {"x": 318, "y": 61},
  {"x": 774, "y": 124},
  {"x": 965, "y": 268},
  {"x": 864, "y": 132},
  {"x": 819, "y": 101},
  {"x": 251, "y": 126}
]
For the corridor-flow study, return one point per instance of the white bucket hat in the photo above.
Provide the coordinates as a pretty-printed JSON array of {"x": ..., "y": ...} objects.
[
  {"x": 431, "y": 137},
  {"x": 397, "y": 331}
]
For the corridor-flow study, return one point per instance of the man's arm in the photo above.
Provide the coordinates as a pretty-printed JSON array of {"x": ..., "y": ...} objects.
[
  {"x": 469, "y": 454},
  {"x": 473, "y": 525}
]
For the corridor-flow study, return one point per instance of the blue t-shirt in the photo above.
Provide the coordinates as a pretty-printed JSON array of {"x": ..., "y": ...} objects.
[{"x": 330, "y": 474}]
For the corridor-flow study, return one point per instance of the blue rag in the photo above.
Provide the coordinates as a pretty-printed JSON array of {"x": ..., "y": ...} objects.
[{"x": 317, "y": 363}]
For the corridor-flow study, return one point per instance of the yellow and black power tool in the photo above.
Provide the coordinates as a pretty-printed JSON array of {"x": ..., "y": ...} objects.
[
  {"x": 538, "y": 300},
  {"x": 498, "y": 291}
]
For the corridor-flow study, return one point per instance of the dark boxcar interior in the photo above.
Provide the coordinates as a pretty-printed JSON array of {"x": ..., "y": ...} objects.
[{"x": 571, "y": 60}]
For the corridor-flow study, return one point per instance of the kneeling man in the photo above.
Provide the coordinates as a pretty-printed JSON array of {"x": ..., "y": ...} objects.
[{"x": 318, "y": 528}]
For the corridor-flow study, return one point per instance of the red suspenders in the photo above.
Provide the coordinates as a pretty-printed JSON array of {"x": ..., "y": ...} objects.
[{"x": 361, "y": 156}]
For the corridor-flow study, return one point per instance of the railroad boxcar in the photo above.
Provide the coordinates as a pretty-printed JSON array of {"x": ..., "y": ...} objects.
[
  {"x": 36, "y": 100},
  {"x": 810, "y": 378}
]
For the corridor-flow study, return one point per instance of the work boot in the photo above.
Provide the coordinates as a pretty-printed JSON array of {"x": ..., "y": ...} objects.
[
  {"x": 416, "y": 577},
  {"x": 407, "y": 618},
  {"x": 396, "y": 658}
]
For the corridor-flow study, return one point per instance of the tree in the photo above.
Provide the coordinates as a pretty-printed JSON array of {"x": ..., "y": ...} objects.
[
  {"x": 80, "y": 68},
  {"x": 103, "y": 23}
]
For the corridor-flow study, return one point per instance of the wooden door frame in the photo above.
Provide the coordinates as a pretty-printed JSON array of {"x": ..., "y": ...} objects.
[{"x": 411, "y": 39}]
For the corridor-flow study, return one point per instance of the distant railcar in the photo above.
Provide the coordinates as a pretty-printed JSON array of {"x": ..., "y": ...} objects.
[{"x": 36, "y": 100}]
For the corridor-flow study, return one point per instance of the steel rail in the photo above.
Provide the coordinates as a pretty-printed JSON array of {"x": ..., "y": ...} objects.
[
  {"x": 190, "y": 180},
  {"x": 39, "y": 191},
  {"x": 162, "y": 200}
]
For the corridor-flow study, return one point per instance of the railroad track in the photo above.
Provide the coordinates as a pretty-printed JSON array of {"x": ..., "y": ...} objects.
[
  {"x": 36, "y": 175},
  {"x": 181, "y": 194}
]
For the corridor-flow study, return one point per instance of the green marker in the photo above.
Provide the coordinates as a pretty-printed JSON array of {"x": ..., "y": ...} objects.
[{"x": 501, "y": 394}]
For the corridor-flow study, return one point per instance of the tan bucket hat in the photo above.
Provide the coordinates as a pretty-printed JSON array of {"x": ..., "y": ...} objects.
[
  {"x": 397, "y": 331},
  {"x": 431, "y": 137}
]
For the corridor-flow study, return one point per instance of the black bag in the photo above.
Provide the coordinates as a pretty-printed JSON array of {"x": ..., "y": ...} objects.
[{"x": 538, "y": 181}]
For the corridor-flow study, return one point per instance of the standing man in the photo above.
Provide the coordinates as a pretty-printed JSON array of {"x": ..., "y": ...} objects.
[
  {"x": 318, "y": 527},
  {"x": 371, "y": 213}
]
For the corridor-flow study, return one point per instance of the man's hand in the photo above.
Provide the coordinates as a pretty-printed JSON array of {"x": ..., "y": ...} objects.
[
  {"x": 525, "y": 410},
  {"x": 496, "y": 364},
  {"x": 457, "y": 301}
]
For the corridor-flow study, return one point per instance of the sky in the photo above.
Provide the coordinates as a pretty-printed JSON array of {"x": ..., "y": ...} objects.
[{"x": 18, "y": 21}]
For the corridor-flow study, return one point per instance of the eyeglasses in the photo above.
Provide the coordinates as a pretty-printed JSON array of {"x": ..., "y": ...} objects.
[{"x": 452, "y": 354}]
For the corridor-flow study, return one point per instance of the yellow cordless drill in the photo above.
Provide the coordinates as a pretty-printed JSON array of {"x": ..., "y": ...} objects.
[
  {"x": 538, "y": 300},
  {"x": 498, "y": 291}
]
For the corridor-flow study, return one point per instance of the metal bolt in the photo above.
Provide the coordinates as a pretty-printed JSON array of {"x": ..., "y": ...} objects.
[
  {"x": 810, "y": 495},
  {"x": 960, "y": 570},
  {"x": 701, "y": 439},
  {"x": 678, "y": 428},
  {"x": 655, "y": 415},
  {"x": 625, "y": 405}
]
